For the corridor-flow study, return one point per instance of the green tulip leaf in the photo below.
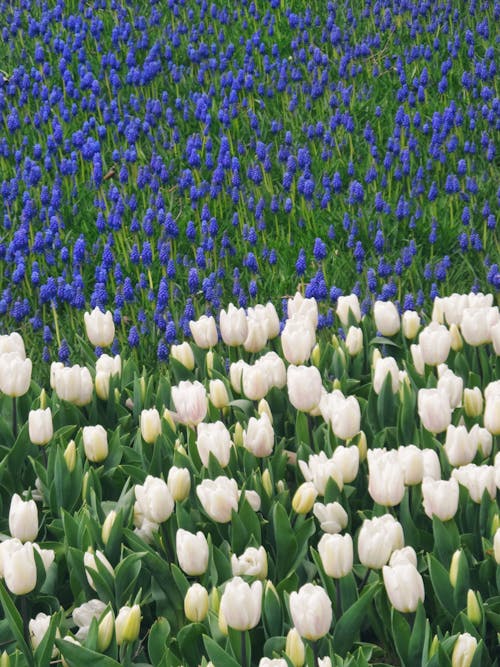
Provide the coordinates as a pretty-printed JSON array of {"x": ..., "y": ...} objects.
[
  {"x": 80, "y": 656},
  {"x": 349, "y": 624},
  {"x": 157, "y": 642},
  {"x": 15, "y": 623},
  {"x": 217, "y": 654}
]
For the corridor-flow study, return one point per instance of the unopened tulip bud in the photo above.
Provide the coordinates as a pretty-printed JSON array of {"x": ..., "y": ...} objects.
[
  {"x": 434, "y": 646},
  {"x": 473, "y": 402},
  {"x": 223, "y": 623},
  {"x": 238, "y": 435},
  {"x": 316, "y": 355},
  {"x": 264, "y": 407},
  {"x": 456, "y": 339},
  {"x": 218, "y": 394},
  {"x": 375, "y": 357},
  {"x": 335, "y": 342},
  {"x": 354, "y": 341},
  {"x": 179, "y": 483},
  {"x": 196, "y": 603},
  {"x": 85, "y": 482},
  {"x": 294, "y": 648},
  {"x": 473, "y": 608},
  {"x": 495, "y": 523},
  {"x": 214, "y": 600},
  {"x": 107, "y": 526},
  {"x": 127, "y": 624},
  {"x": 411, "y": 324},
  {"x": 266, "y": 482},
  {"x": 167, "y": 416},
  {"x": 304, "y": 498},
  {"x": 105, "y": 632},
  {"x": 150, "y": 425},
  {"x": 496, "y": 545},
  {"x": 455, "y": 559},
  {"x": 4, "y": 659},
  {"x": 210, "y": 363},
  {"x": 142, "y": 385},
  {"x": 362, "y": 446},
  {"x": 463, "y": 651},
  {"x": 183, "y": 354}
]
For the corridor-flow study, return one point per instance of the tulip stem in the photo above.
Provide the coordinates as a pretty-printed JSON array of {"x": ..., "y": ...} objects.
[
  {"x": 14, "y": 416},
  {"x": 24, "y": 616},
  {"x": 364, "y": 580},
  {"x": 310, "y": 430},
  {"x": 243, "y": 649},
  {"x": 338, "y": 598},
  {"x": 315, "y": 648}
]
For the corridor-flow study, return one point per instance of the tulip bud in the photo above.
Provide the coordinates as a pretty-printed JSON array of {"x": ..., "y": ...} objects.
[
  {"x": 127, "y": 624},
  {"x": 362, "y": 446},
  {"x": 196, "y": 603},
  {"x": 496, "y": 545},
  {"x": 266, "y": 482},
  {"x": 304, "y": 387},
  {"x": 167, "y": 416},
  {"x": 95, "y": 443},
  {"x": 233, "y": 325},
  {"x": 85, "y": 481},
  {"x": 183, "y": 354},
  {"x": 473, "y": 402},
  {"x": 4, "y": 659},
  {"x": 263, "y": 407},
  {"x": 213, "y": 438},
  {"x": 434, "y": 646},
  {"x": 23, "y": 519},
  {"x": 238, "y": 435},
  {"x": 150, "y": 425},
  {"x": 179, "y": 483},
  {"x": 455, "y": 560},
  {"x": 316, "y": 355},
  {"x": 463, "y": 652},
  {"x": 107, "y": 526},
  {"x": 456, "y": 339},
  {"x": 105, "y": 631},
  {"x": 354, "y": 341},
  {"x": 411, "y": 324},
  {"x": 294, "y": 648},
  {"x": 473, "y": 608},
  {"x": 491, "y": 417},
  {"x": 210, "y": 363},
  {"x": 304, "y": 498},
  {"x": 222, "y": 623},
  {"x": 90, "y": 561},
  {"x": 218, "y": 394}
]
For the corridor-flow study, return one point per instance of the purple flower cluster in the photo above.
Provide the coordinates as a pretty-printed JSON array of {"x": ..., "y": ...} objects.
[{"x": 150, "y": 149}]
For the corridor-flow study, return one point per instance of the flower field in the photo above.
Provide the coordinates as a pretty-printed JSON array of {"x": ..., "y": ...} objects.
[{"x": 250, "y": 335}]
